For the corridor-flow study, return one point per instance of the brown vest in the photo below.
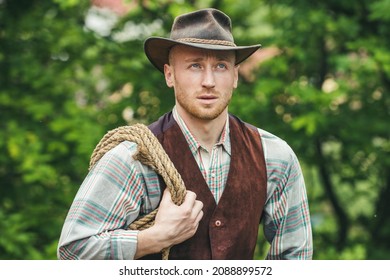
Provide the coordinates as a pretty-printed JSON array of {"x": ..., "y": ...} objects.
[{"x": 228, "y": 230}]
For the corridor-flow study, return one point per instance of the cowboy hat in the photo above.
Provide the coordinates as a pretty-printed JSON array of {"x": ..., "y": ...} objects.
[{"x": 206, "y": 29}]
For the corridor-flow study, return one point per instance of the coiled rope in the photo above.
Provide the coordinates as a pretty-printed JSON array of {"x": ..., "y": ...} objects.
[{"x": 151, "y": 153}]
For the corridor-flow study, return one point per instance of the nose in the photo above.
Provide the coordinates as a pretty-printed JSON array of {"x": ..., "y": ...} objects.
[{"x": 208, "y": 78}]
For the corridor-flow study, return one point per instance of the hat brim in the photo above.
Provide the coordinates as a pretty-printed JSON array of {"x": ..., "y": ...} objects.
[{"x": 157, "y": 50}]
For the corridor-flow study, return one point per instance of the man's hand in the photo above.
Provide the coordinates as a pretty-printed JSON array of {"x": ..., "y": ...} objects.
[{"x": 173, "y": 224}]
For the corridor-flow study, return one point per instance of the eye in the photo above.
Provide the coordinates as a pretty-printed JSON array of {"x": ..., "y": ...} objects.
[
  {"x": 221, "y": 66},
  {"x": 195, "y": 65}
]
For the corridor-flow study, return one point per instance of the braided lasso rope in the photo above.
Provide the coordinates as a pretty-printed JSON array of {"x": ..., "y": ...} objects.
[{"x": 151, "y": 153}]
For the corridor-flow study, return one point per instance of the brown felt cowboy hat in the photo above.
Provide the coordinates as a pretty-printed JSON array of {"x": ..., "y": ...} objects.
[{"x": 207, "y": 29}]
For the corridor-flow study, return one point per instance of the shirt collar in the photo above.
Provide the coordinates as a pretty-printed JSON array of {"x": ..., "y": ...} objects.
[{"x": 194, "y": 144}]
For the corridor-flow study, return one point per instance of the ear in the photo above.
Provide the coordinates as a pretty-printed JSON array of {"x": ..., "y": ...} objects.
[
  {"x": 168, "y": 73},
  {"x": 235, "y": 84}
]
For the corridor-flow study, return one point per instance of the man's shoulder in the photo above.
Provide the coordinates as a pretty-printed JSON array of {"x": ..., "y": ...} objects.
[
  {"x": 275, "y": 147},
  {"x": 162, "y": 124},
  {"x": 123, "y": 152},
  {"x": 270, "y": 136}
]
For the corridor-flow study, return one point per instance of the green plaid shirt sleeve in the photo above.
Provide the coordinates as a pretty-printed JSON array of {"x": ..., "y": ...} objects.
[
  {"x": 286, "y": 214},
  {"x": 115, "y": 192}
]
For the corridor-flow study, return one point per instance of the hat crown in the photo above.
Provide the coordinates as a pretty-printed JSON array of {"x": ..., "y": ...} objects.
[
  {"x": 206, "y": 24},
  {"x": 208, "y": 29}
]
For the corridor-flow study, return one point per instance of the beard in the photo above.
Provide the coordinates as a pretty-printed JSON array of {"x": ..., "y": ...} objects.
[{"x": 205, "y": 112}]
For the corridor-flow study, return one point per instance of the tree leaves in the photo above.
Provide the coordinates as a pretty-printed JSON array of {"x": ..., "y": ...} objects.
[{"x": 325, "y": 91}]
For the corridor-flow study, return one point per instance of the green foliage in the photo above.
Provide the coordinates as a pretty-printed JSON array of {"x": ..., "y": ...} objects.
[{"x": 64, "y": 82}]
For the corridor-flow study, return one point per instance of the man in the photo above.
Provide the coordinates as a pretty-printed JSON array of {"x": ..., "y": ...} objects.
[{"x": 236, "y": 175}]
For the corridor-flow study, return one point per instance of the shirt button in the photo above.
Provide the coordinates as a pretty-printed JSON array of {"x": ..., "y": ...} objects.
[
  {"x": 218, "y": 223},
  {"x": 212, "y": 174}
]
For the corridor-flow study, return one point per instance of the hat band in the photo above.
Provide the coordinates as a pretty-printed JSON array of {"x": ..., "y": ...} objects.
[{"x": 205, "y": 41}]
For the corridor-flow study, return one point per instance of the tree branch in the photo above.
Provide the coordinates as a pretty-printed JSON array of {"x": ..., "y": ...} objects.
[{"x": 342, "y": 218}]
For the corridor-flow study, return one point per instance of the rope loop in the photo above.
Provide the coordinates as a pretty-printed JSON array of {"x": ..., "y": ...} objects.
[{"x": 151, "y": 153}]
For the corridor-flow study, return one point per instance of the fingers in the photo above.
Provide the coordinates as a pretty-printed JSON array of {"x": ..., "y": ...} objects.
[
  {"x": 189, "y": 199},
  {"x": 177, "y": 223},
  {"x": 194, "y": 207},
  {"x": 190, "y": 209},
  {"x": 188, "y": 202},
  {"x": 197, "y": 210},
  {"x": 166, "y": 197}
]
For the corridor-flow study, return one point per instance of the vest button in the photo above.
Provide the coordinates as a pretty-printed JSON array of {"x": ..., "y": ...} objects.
[{"x": 218, "y": 223}]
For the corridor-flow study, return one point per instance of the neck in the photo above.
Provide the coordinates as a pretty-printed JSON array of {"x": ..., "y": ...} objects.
[{"x": 207, "y": 132}]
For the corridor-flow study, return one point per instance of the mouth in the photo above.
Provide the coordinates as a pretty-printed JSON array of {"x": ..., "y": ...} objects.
[{"x": 207, "y": 98}]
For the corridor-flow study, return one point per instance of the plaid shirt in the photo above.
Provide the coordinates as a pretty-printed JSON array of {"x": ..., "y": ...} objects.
[
  {"x": 215, "y": 165},
  {"x": 119, "y": 189}
]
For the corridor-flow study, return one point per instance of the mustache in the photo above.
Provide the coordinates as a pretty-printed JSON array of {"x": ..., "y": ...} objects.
[{"x": 208, "y": 92}]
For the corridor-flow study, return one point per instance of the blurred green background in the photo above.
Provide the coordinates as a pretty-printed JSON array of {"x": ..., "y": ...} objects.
[{"x": 72, "y": 70}]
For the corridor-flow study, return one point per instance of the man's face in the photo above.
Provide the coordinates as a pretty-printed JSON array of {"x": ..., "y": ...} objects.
[{"x": 203, "y": 81}]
